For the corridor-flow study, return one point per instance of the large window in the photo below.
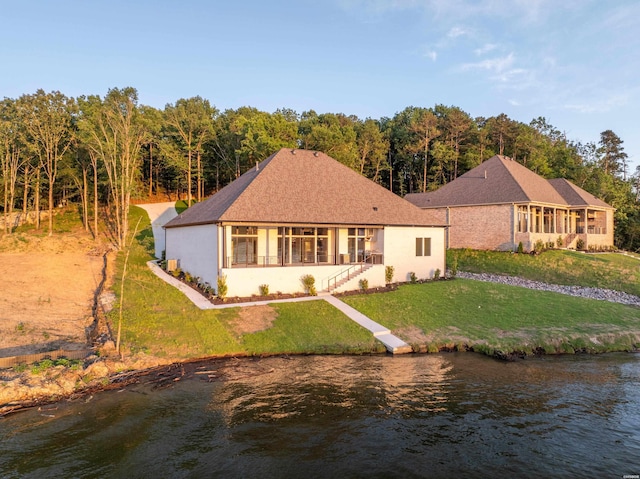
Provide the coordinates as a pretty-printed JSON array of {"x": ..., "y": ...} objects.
[
  {"x": 523, "y": 219},
  {"x": 244, "y": 244},
  {"x": 303, "y": 245},
  {"x": 355, "y": 243},
  {"x": 423, "y": 246}
]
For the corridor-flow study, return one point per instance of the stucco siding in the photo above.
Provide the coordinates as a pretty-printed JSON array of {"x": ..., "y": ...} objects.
[
  {"x": 196, "y": 249},
  {"x": 400, "y": 251},
  {"x": 284, "y": 279}
]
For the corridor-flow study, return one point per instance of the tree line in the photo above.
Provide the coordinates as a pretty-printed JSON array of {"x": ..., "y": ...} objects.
[{"x": 101, "y": 152}]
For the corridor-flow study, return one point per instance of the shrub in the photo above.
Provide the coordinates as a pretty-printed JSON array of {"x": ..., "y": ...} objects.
[
  {"x": 559, "y": 242},
  {"x": 580, "y": 244},
  {"x": 413, "y": 278},
  {"x": 222, "y": 287},
  {"x": 388, "y": 274},
  {"x": 550, "y": 244},
  {"x": 453, "y": 268},
  {"x": 264, "y": 289},
  {"x": 208, "y": 290},
  {"x": 176, "y": 272},
  {"x": 309, "y": 283},
  {"x": 538, "y": 247},
  {"x": 520, "y": 248},
  {"x": 364, "y": 284},
  {"x": 436, "y": 274}
]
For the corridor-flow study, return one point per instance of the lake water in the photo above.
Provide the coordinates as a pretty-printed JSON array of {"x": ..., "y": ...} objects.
[{"x": 444, "y": 415}]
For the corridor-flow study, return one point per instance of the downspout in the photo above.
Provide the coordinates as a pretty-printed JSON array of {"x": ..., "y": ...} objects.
[
  {"x": 514, "y": 225},
  {"x": 448, "y": 229}
]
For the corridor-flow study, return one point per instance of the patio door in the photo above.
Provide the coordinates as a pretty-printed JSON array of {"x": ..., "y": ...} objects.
[{"x": 309, "y": 250}]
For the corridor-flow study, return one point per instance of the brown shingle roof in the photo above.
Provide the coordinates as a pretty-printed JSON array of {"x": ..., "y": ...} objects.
[
  {"x": 303, "y": 187},
  {"x": 501, "y": 180},
  {"x": 576, "y": 196}
]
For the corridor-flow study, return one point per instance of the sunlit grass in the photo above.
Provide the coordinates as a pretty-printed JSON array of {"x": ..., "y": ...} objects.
[
  {"x": 610, "y": 270},
  {"x": 480, "y": 315}
]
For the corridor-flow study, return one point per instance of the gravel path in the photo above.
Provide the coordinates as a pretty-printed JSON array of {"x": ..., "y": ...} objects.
[{"x": 581, "y": 291}]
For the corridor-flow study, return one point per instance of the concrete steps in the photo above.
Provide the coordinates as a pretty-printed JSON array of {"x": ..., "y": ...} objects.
[{"x": 393, "y": 344}]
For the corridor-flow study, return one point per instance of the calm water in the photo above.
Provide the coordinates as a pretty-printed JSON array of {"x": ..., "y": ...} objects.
[{"x": 451, "y": 415}]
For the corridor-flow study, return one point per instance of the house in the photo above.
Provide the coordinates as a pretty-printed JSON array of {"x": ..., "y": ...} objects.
[
  {"x": 300, "y": 213},
  {"x": 501, "y": 203}
]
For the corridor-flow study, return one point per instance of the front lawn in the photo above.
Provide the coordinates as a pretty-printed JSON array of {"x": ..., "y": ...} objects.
[
  {"x": 486, "y": 316},
  {"x": 601, "y": 270}
]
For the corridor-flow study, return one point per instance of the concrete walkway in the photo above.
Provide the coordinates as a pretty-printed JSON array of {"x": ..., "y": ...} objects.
[{"x": 159, "y": 214}]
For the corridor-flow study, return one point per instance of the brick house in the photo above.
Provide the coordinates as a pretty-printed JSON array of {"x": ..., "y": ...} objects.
[
  {"x": 301, "y": 212},
  {"x": 501, "y": 203}
]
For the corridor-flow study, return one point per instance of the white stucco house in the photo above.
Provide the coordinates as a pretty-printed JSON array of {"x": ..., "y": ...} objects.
[{"x": 297, "y": 213}]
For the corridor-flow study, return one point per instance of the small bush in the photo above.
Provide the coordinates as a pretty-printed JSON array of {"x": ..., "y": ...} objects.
[
  {"x": 559, "y": 242},
  {"x": 309, "y": 283},
  {"x": 413, "y": 278},
  {"x": 453, "y": 268},
  {"x": 520, "y": 248},
  {"x": 538, "y": 247},
  {"x": 264, "y": 289},
  {"x": 222, "y": 287},
  {"x": 176, "y": 272},
  {"x": 364, "y": 284},
  {"x": 388, "y": 274},
  {"x": 436, "y": 274},
  {"x": 580, "y": 244}
]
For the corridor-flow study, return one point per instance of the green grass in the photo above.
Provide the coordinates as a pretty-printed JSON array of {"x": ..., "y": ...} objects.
[
  {"x": 159, "y": 320},
  {"x": 486, "y": 316},
  {"x": 311, "y": 327},
  {"x": 610, "y": 270}
]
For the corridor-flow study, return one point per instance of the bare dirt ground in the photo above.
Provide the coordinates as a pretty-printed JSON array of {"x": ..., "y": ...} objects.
[{"x": 46, "y": 292}]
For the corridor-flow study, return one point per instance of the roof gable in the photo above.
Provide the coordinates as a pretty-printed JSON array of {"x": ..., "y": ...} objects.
[
  {"x": 302, "y": 186},
  {"x": 576, "y": 196}
]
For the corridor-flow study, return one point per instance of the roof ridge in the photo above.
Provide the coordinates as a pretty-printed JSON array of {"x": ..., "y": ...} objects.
[{"x": 503, "y": 163}]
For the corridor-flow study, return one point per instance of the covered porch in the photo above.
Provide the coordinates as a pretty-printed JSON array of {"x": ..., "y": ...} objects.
[{"x": 255, "y": 246}]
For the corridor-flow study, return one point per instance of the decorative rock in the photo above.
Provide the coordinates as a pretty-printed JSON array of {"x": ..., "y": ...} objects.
[{"x": 580, "y": 291}]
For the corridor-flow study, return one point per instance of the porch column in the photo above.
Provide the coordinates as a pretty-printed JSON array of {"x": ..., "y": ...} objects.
[{"x": 529, "y": 218}]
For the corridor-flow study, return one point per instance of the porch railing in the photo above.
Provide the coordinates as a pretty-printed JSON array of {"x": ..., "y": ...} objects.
[{"x": 351, "y": 271}]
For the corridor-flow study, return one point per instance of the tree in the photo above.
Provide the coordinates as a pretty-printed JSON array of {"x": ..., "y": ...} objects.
[
  {"x": 373, "y": 148},
  {"x": 613, "y": 159},
  {"x": 424, "y": 128},
  {"x": 48, "y": 120},
  {"x": 114, "y": 130},
  {"x": 10, "y": 156},
  {"x": 333, "y": 134},
  {"x": 189, "y": 124}
]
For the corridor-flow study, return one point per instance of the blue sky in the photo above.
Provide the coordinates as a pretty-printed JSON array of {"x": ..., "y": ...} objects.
[{"x": 575, "y": 62}]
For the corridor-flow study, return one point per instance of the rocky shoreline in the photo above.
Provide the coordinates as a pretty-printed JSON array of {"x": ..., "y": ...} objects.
[{"x": 600, "y": 294}]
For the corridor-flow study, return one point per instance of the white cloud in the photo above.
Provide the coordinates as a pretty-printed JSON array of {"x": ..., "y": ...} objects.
[
  {"x": 514, "y": 102},
  {"x": 496, "y": 65},
  {"x": 486, "y": 48},
  {"x": 599, "y": 106},
  {"x": 432, "y": 54},
  {"x": 456, "y": 32}
]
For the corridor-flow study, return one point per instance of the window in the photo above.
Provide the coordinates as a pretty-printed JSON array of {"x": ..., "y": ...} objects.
[
  {"x": 303, "y": 245},
  {"x": 523, "y": 219},
  {"x": 355, "y": 244},
  {"x": 244, "y": 244},
  {"x": 423, "y": 246}
]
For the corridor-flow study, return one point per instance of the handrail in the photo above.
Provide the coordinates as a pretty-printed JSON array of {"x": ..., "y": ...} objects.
[{"x": 340, "y": 275}]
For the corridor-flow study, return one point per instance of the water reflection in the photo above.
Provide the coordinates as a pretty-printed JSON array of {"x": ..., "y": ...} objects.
[{"x": 381, "y": 416}]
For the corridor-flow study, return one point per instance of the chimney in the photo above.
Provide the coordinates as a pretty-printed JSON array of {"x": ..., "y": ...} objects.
[
  {"x": 257, "y": 167},
  {"x": 485, "y": 174}
]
